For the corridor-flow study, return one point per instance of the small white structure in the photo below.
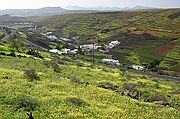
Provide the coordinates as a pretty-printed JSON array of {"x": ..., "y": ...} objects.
[
  {"x": 66, "y": 39},
  {"x": 111, "y": 62},
  {"x": 48, "y": 33},
  {"x": 136, "y": 67},
  {"x": 113, "y": 44},
  {"x": 55, "y": 51},
  {"x": 88, "y": 47},
  {"x": 65, "y": 51},
  {"x": 52, "y": 37},
  {"x": 69, "y": 51}
]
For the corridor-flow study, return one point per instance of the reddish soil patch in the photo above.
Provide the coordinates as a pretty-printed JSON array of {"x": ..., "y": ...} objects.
[
  {"x": 162, "y": 50},
  {"x": 169, "y": 72},
  {"x": 156, "y": 32}
]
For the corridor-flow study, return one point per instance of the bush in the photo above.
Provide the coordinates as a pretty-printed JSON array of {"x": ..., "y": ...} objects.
[
  {"x": 80, "y": 64},
  {"x": 156, "y": 97},
  {"x": 56, "y": 68},
  {"x": 74, "y": 79},
  {"x": 34, "y": 53},
  {"x": 130, "y": 87},
  {"x": 31, "y": 74},
  {"x": 76, "y": 101},
  {"x": 27, "y": 103},
  {"x": 21, "y": 102}
]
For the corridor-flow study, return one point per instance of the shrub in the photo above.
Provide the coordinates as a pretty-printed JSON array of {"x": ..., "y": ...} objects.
[
  {"x": 76, "y": 101},
  {"x": 130, "y": 87},
  {"x": 47, "y": 63},
  {"x": 78, "y": 63},
  {"x": 156, "y": 97},
  {"x": 56, "y": 68},
  {"x": 157, "y": 85},
  {"x": 74, "y": 79},
  {"x": 31, "y": 74},
  {"x": 28, "y": 103},
  {"x": 21, "y": 102}
]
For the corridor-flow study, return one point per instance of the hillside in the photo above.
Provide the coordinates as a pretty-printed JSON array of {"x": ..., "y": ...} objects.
[
  {"x": 64, "y": 87},
  {"x": 53, "y": 86},
  {"x": 141, "y": 33},
  {"x": 7, "y": 19}
]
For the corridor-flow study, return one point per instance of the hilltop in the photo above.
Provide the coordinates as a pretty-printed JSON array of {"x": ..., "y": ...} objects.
[{"x": 46, "y": 11}]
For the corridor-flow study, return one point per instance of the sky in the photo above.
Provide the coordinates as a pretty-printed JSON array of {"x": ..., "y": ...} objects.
[{"x": 33, "y": 4}]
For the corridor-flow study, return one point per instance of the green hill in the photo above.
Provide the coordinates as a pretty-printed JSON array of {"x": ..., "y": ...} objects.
[
  {"x": 140, "y": 32},
  {"x": 7, "y": 19}
]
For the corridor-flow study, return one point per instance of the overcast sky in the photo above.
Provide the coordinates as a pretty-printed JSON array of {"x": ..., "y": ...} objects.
[{"x": 29, "y": 4}]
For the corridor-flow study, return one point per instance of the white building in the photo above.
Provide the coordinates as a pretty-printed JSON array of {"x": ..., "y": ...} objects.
[
  {"x": 52, "y": 37},
  {"x": 113, "y": 44},
  {"x": 69, "y": 51},
  {"x": 48, "y": 33},
  {"x": 88, "y": 47},
  {"x": 111, "y": 62},
  {"x": 66, "y": 39},
  {"x": 65, "y": 51},
  {"x": 55, "y": 51},
  {"x": 136, "y": 67}
]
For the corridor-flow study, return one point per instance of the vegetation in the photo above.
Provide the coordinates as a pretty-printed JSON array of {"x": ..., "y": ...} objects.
[
  {"x": 140, "y": 36},
  {"x": 81, "y": 91},
  {"x": 51, "y": 86}
]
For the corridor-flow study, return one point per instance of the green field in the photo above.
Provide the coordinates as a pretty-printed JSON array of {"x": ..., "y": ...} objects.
[
  {"x": 158, "y": 27},
  {"x": 74, "y": 92}
]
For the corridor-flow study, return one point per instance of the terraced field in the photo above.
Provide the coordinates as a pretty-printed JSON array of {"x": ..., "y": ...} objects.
[{"x": 141, "y": 33}]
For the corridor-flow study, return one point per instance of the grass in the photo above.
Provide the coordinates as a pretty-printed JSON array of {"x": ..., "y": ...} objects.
[
  {"x": 54, "y": 90},
  {"x": 172, "y": 55}
]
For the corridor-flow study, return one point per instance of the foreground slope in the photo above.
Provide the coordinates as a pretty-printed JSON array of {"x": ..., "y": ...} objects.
[{"x": 79, "y": 90}]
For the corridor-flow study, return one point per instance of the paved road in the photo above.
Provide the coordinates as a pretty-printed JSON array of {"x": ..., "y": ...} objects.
[
  {"x": 154, "y": 75},
  {"x": 29, "y": 42}
]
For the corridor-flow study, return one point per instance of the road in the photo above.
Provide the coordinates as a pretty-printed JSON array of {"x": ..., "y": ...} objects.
[
  {"x": 29, "y": 42},
  {"x": 154, "y": 75}
]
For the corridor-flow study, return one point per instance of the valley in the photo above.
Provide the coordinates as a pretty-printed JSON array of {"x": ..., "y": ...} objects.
[{"x": 120, "y": 64}]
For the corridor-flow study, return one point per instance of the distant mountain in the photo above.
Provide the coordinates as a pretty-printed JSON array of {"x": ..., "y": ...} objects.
[
  {"x": 47, "y": 11},
  {"x": 102, "y": 8},
  {"x": 34, "y": 12}
]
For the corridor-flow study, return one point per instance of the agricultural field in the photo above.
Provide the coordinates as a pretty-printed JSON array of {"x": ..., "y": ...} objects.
[{"x": 141, "y": 36}]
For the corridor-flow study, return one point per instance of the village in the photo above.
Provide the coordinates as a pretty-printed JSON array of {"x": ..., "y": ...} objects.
[{"x": 89, "y": 48}]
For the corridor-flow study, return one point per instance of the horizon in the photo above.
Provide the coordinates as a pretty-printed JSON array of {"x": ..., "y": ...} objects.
[{"x": 37, "y": 4}]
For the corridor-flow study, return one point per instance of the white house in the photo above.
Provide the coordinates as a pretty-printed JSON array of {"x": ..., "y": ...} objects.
[
  {"x": 111, "y": 62},
  {"x": 48, "y": 33},
  {"x": 65, "y": 51},
  {"x": 66, "y": 39},
  {"x": 52, "y": 37},
  {"x": 69, "y": 51},
  {"x": 113, "y": 44},
  {"x": 88, "y": 47},
  {"x": 136, "y": 67},
  {"x": 55, "y": 51}
]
